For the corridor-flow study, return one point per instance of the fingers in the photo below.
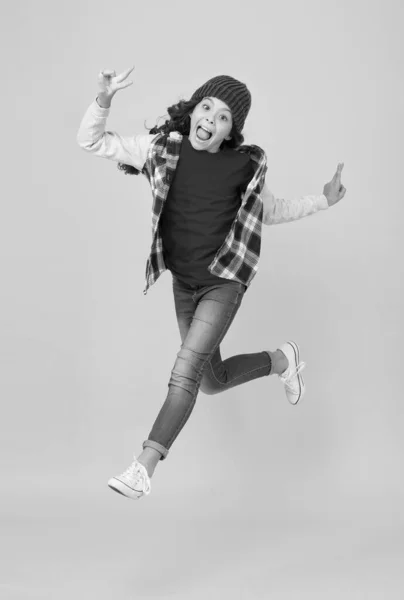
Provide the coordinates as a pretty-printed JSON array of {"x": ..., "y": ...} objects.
[
  {"x": 124, "y": 85},
  {"x": 108, "y": 73},
  {"x": 338, "y": 172},
  {"x": 112, "y": 73},
  {"x": 124, "y": 75}
]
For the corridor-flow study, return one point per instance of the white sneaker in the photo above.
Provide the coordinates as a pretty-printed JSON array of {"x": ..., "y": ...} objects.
[
  {"x": 291, "y": 378},
  {"x": 133, "y": 483}
]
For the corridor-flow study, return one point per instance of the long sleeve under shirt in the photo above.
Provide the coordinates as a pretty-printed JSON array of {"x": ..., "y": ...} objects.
[
  {"x": 201, "y": 206},
  {"x": 193, "y": 224}
]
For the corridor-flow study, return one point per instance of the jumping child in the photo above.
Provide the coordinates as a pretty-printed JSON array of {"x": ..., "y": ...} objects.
[{"x": 210, "y": 200}]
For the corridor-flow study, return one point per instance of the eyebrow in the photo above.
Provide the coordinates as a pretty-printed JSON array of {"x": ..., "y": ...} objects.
[{"x": 210, "y": 100}]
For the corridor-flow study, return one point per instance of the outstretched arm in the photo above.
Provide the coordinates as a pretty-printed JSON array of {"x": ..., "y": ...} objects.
[
  {"x": 278, "y": 210},
  {"x": 92, "y": 137}
]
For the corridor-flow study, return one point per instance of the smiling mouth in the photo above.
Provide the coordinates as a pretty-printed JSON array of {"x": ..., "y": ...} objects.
[{"x": 206, "y": 135}]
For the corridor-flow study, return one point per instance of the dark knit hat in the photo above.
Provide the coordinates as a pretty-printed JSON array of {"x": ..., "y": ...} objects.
[{"x": 234, "y": 93}]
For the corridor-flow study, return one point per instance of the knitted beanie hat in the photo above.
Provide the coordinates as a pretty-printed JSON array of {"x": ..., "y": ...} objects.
[{"x": 234, "y": 93}]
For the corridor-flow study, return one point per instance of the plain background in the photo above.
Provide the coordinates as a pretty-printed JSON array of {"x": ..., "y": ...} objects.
[{"x": 257, "y": 499}]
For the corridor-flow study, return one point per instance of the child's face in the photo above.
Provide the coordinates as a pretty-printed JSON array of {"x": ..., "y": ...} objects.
[{"x": 215, "y": 116}]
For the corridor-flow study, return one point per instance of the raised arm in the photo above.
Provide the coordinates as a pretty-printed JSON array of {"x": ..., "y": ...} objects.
[
  {"x": 92, "y": 136},
  {"x": 278, "y": 210}
]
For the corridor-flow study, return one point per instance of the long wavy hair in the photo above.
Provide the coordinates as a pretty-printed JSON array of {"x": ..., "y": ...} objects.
[{"x": 180, "y": 120}]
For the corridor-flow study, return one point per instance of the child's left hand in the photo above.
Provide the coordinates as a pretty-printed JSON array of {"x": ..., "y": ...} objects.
[{"x": 334, "y": 191}]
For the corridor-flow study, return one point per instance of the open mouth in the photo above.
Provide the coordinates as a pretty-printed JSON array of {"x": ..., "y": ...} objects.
[{"x": 203, "y": 134}]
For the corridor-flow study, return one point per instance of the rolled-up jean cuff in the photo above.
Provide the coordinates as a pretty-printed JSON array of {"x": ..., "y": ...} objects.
[{"x": 150, "y": 444}]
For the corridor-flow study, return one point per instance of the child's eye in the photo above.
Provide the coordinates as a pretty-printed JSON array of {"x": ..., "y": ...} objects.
[
  {"x": 224, "y": 117},
  {"x": 205, "y": 106}
]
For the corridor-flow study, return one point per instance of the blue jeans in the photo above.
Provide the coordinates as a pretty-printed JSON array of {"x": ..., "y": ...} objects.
[{"x": 204, "y": 315}]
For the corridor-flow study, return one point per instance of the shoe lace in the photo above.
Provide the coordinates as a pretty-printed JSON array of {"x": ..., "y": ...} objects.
[
  {"x": 136, "y": 472},
  {"x": 288, "y": 379}
]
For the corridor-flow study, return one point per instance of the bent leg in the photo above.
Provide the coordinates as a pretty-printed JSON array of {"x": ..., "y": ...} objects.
[
  {"x": 222, "y": 375},
  {"x": 219, "y": 375},
  {"x": 214, "y": 313}
]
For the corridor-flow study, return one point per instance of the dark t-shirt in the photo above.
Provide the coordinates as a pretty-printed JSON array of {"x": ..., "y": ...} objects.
[{"x": 202, "y": 203}]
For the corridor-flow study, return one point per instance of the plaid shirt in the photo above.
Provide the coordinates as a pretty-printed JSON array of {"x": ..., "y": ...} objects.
[{"x": 237, "y": 258}]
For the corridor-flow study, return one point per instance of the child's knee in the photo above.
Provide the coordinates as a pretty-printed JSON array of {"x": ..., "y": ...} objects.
[{"x": 208, "y": 386}]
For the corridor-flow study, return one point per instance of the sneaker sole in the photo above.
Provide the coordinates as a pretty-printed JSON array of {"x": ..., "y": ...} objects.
[
  {"x": 122, "y": 488},
  {"x": 299, "y": 377}
]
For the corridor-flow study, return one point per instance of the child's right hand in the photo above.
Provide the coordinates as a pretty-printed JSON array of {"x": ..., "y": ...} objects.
[{"x": 109, "y": 82}]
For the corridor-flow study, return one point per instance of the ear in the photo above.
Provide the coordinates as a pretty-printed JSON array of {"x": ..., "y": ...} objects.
[{"x": 228, "y": 137}]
